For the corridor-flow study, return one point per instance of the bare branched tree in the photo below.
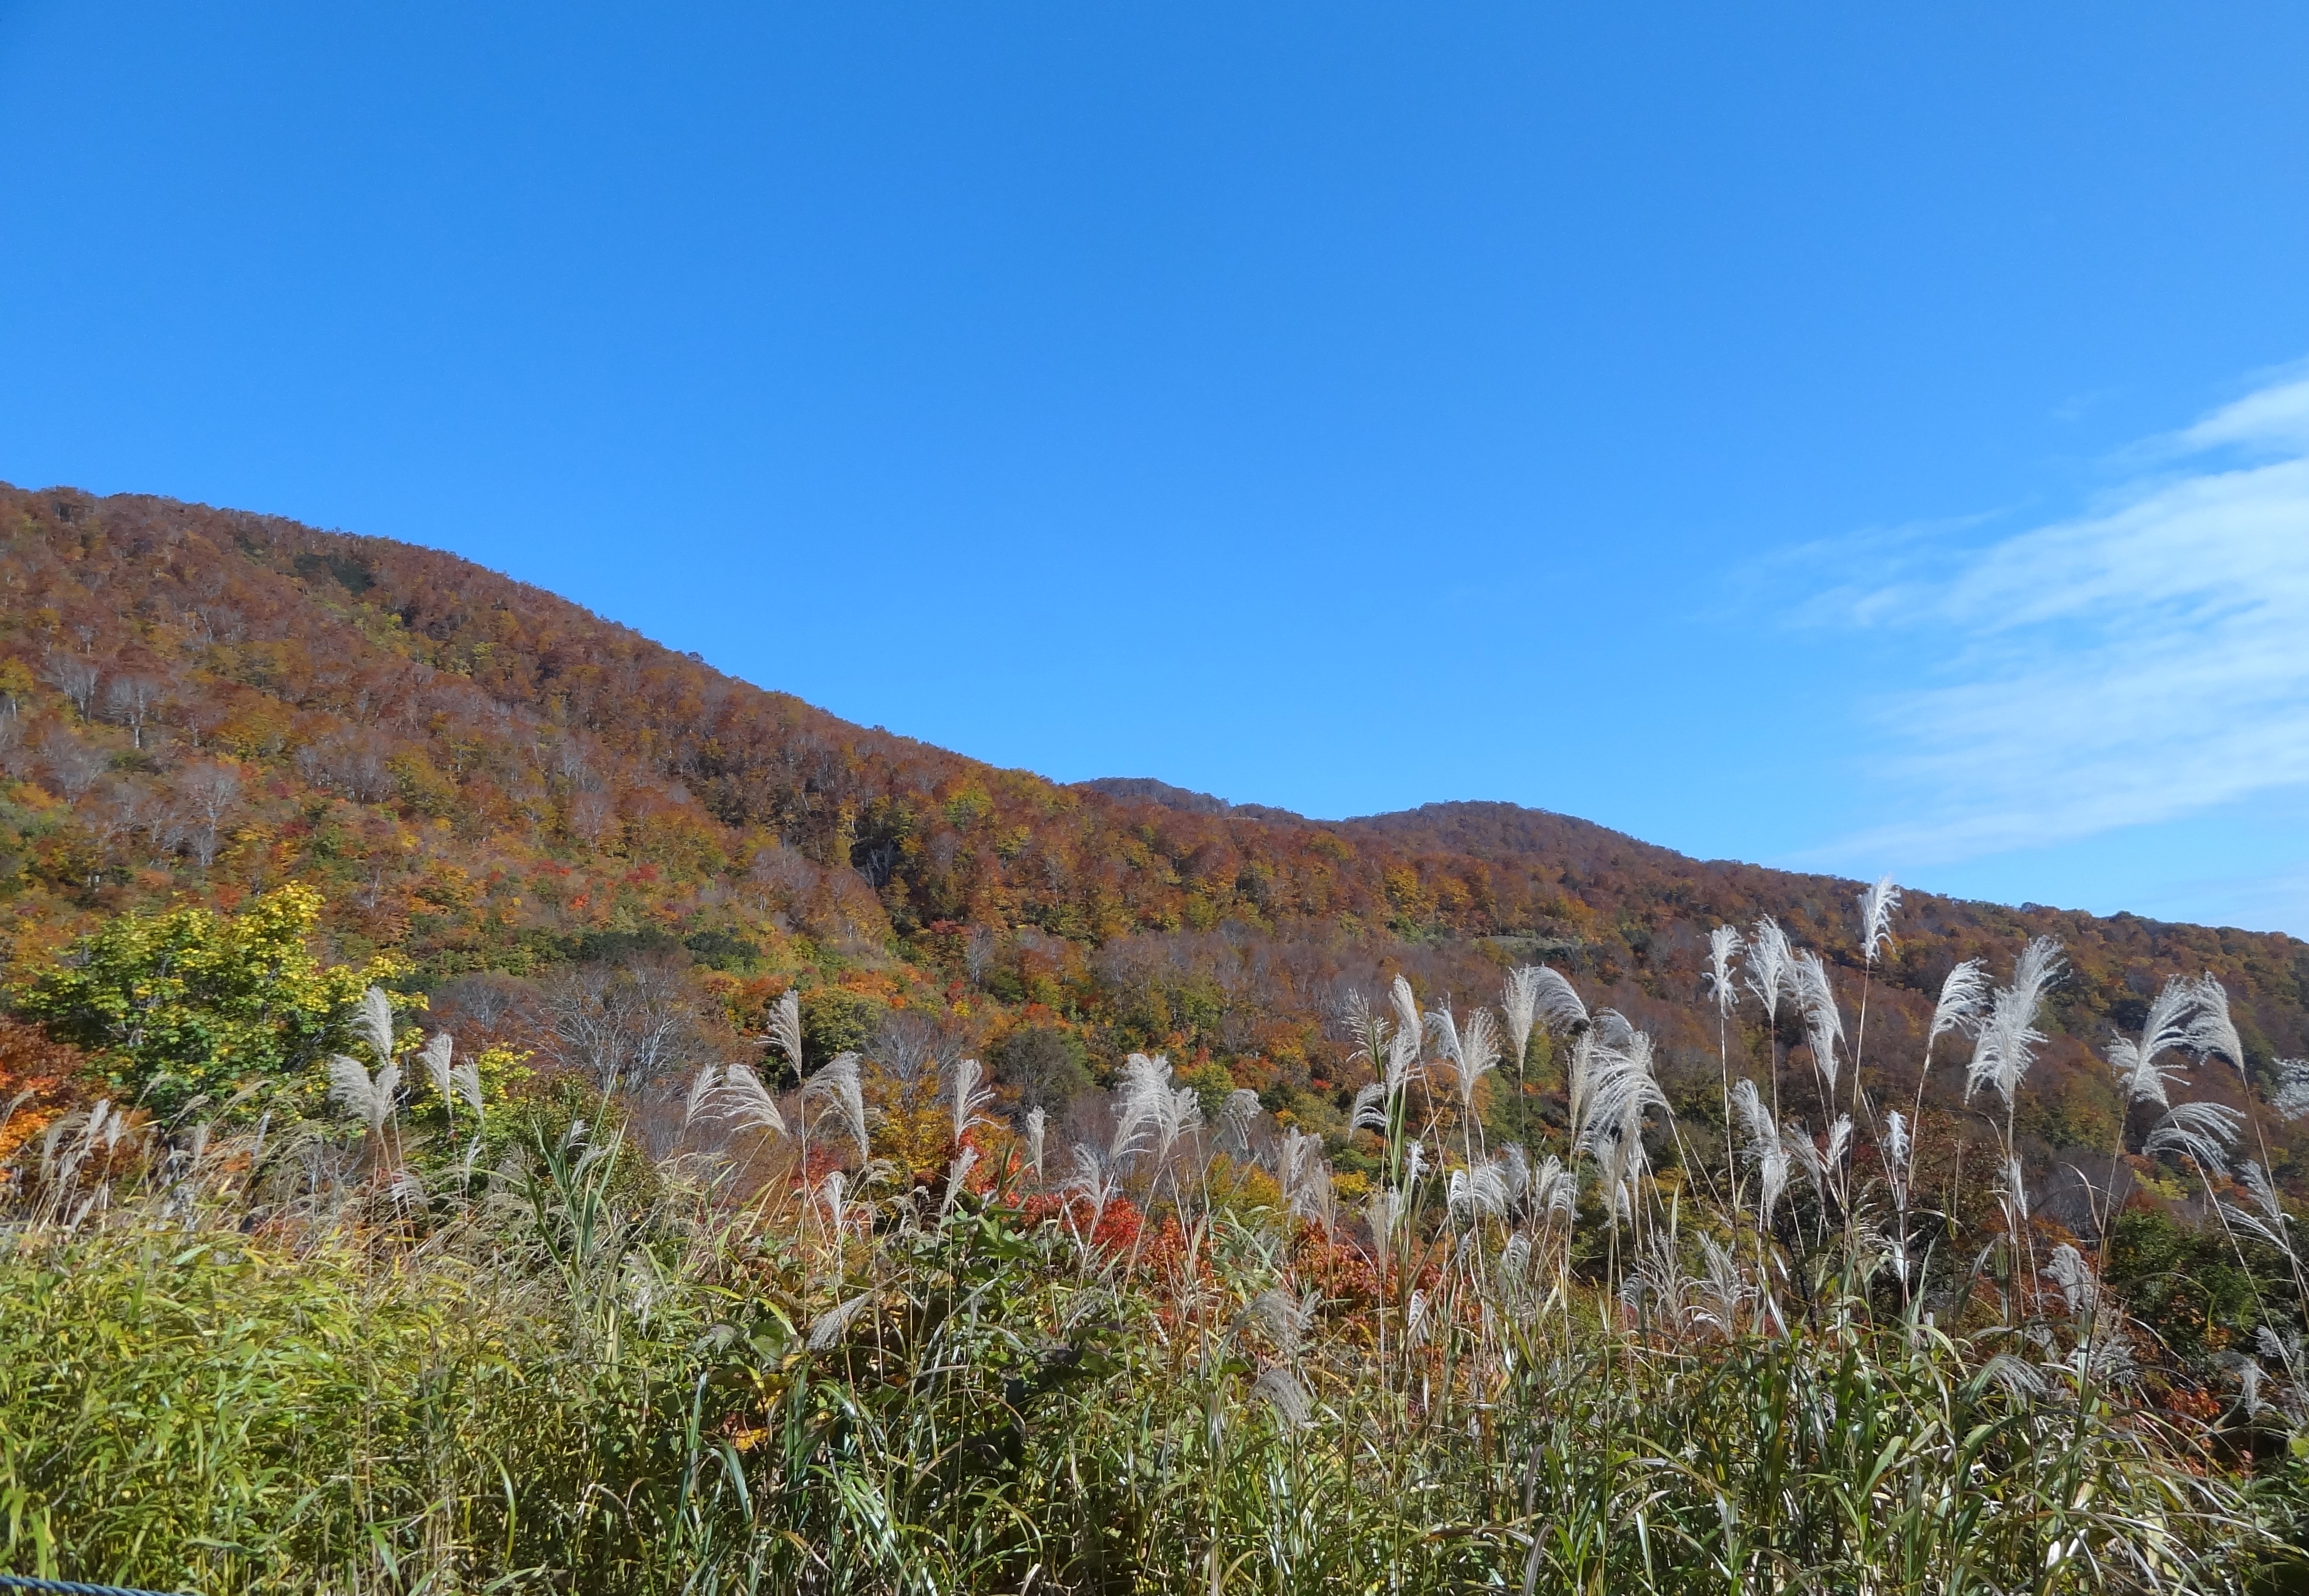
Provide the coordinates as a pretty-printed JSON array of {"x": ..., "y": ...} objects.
[
  {"x": 625, "y": 1024},
  {"x": 133, "y": 700},
  {"x": 978, "y": 953},
  {"x": 210, "y": 793},
  {"x": 73, "y": 766},
  {"x": 74, "y": 676}
]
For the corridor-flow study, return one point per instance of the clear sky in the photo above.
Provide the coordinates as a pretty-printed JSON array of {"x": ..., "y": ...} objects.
[{"x": 1862, "y": 437}]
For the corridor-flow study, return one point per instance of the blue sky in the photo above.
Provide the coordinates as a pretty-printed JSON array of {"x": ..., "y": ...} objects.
[{"x": 1861, "y": 439}]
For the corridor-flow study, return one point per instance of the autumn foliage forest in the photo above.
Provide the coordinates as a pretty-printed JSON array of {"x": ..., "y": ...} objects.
[
  {"x": 478, "y": 777},
  {"x": 534, "y": 930}
]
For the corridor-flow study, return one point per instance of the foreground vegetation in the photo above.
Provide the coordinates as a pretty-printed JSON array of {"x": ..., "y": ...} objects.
[
  {"x": 415, "y": 1320},
  {"x": 608, "y": 1398}
]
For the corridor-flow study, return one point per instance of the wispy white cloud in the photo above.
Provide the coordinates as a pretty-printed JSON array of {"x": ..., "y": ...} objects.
[
  {"x": 2274, "y": 898},
  {"x": 2141, "y": 662}
]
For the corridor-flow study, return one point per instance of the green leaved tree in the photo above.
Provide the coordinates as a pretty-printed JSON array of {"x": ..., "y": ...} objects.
[{"x": 189, "y": 1003}]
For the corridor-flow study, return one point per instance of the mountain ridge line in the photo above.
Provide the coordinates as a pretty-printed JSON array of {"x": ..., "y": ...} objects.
[{"x": 480, "y": 775}]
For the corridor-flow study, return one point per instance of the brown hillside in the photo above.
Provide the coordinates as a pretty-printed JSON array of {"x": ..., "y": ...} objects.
[{"x": 480, "y": 775}]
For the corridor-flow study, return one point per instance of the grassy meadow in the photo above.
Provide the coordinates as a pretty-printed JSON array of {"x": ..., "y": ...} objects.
[{"x": 856, "y": 1325}]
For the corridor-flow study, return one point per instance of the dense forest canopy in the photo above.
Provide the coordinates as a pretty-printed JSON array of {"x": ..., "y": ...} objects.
[{"x": 200, "y": 705}]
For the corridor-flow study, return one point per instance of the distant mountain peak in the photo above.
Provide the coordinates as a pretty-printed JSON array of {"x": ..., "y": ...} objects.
[{"x": 1147, "y": 789}]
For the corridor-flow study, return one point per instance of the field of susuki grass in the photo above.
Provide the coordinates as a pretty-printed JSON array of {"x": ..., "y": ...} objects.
[{"x": 716, "y": 1339}]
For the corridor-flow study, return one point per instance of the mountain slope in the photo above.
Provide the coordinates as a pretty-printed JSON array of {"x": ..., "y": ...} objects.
[{"x": 480, "y": 775}]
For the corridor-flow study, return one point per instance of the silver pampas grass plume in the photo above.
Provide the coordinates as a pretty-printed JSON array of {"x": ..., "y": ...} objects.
[
  {"x": 1146, "y": 1104},
  {"x": 827, "y": 1328},
  {"x": 1899, "y": 1153},
  {"x": 1755, "y": 1120},
  {"x": 741, "y": 1099},
  {"x": 1554, "y": 1191},
  {"x": 2213, "y": 1031},
  {"x": 1237, "y": 1117},
  {"x": 956, "y": 1174},
  {"x": 784, "y": 1033},
  {"x": 1280, "y": 1389},
  {"x": 1145, "y": 1082},
  {"x": 454, "y": 1082},
  {"x": 1519, "y": 1003},
  {"x": 1719, "y": 979},
  {"x": 1286, "y": 1318},
  {"x": 1769, "y": 957},
  {"x": 1037, "y": 1124},
  {"x": 1823, "y": 1021},
  {"x": 1092, "y": 1182},
  {"x": 838, "y": 1080},
  {"x": 1764, "y": 1146},
  {"x": 2068, "y": 1271},
  {"x": 1380, "y": 1213},
  {"x": 1479, "y": 1193},
  {"x": 1407, "y": 1017},
  {"x": 1472, "y": 1054},
  {"x": 1558, "y": 1004},
  {"x": 700, "y": 1101},
  {"x": 2166, "y": 1030},
  {"x": 1175, "y": 1114},
  {"x": 1839, "y": 1143},
  {"x": 373, "y": 1023},
  {"x": 436, "y": 1058},
  {"x": 1963, "y": 1002},
  {"x": 2266, "y": 1219},
  {"x": 1619, "y": 1091},
  {"x": 1372, "y": 1032},
  {"x": 971, "y": 1099},
  {"x": 1305, "y": 1178},
  {"x": 2201, "y": 1132},
  {"x": 368, "y": 1097},
  {"x": 2009, "y": 1038},
  {"x": 1877, "y": 902},
  {"x": 467, "y": 1079}
]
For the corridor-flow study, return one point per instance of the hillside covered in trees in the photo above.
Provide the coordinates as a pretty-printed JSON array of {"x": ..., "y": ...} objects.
[{"x": 200, "y": 704}]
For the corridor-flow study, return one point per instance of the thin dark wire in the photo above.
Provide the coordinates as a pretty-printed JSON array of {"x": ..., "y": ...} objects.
[{"x": 64, "y": 1587}]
